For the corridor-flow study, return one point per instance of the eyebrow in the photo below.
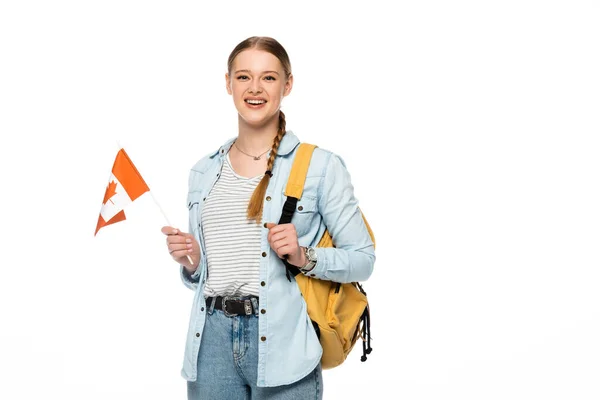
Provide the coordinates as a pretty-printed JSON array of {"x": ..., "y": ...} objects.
[{"x": 249, "y": 72}]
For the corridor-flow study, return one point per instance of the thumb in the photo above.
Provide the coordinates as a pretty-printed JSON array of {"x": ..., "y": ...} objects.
[
  {"x": 169, "y": 230},
  {"x": 270, "y": 225},
  {"x": 186, "y": 234}
]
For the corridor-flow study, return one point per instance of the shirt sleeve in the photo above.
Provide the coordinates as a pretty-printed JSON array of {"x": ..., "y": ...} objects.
[
  {"x": 353, "y": 258},
  {"x": 190, "y": 281}
]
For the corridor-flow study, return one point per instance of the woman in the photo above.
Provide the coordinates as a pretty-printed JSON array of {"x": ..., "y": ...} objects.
[{"x": 249, "y": 333}]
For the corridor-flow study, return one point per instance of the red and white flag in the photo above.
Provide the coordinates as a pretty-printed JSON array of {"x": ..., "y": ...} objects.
[{"x": 124, "y": 186}]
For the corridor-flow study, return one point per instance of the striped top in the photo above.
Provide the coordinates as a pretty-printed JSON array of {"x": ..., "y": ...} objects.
[{"x": 232, "y": 241}]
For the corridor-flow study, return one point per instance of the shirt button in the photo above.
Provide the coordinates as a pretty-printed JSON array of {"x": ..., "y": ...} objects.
[
  {"x": 262, "y": 283},
  {"x": 265, "y": 225},
  {"x": 263, "y": 338},
  {"x": 264, "y": 254},
  {"x": 268, "y": 198},
  {"x": 197, "y": 334},
  {"x": 263, "y": 311},
  {"x": 202, "y": 309},
  {"x": 222, "y": 151},
  {"x": 300, "y": 208},
  {"x": 204, "y": 199}
]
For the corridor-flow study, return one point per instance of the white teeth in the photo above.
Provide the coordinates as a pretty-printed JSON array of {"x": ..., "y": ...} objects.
[{"x": 255, "y": 101}]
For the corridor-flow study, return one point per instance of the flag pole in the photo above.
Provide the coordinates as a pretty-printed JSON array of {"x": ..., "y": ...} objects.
[
  {"x": 160, "y": 208},
  {"x": 168, "y": 222}
]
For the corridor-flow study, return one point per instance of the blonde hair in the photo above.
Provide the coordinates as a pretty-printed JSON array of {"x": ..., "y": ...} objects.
[{"x": 255, "y": 207}]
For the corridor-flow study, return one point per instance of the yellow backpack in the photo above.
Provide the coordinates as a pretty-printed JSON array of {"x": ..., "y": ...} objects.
[{"x": 339, "y": 312}]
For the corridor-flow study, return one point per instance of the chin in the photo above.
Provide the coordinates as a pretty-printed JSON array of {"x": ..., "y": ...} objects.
[
  {"x": 255, "y": 123},
  {"x": 256, "y": 120}
]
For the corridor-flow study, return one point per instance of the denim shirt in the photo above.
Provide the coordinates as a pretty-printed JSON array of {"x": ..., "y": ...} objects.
[{"x": 288, "y": 345}]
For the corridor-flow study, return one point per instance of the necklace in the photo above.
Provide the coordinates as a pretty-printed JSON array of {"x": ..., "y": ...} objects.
[{"x": 250, "y": 155}]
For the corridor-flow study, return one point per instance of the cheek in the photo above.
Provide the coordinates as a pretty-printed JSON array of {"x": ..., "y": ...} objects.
[
  {"x": 237, "y": 91},
  {"x": 276, "y": 95},
  {"x": 237, "y": 88}
]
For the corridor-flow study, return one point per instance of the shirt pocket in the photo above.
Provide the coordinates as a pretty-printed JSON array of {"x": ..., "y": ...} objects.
[{"x": 306, "y": 216}]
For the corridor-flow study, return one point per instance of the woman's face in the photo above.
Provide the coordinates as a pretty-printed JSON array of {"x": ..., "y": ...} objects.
[{"x": 257, "y": 84}]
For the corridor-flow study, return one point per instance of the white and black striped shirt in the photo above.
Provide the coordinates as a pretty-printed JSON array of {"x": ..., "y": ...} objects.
[{"x": 232, "y": 241}]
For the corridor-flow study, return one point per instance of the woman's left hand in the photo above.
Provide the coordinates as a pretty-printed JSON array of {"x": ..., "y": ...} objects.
[{"x": 283, "y": 239}]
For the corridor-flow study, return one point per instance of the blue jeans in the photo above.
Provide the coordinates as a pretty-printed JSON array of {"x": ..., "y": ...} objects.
[{"x": 228, "y": 363}]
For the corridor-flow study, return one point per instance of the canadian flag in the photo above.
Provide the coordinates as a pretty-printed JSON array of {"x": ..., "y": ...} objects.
[{"x": 124, "y": 186}]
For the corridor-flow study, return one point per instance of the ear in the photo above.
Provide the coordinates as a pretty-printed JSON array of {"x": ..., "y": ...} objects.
[
  {"x": 228, "y": 84},
  {"x": 288, "y": 85}
]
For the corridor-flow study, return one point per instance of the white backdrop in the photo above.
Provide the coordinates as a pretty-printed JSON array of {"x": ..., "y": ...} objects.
[{"x": 470, "y": 130}]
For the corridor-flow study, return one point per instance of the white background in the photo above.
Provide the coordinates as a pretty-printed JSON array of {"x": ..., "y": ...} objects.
[{"x": 470, "y": 130}]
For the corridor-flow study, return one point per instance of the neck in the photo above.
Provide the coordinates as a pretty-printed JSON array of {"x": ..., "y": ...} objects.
[{"x": 256, "y": 139}]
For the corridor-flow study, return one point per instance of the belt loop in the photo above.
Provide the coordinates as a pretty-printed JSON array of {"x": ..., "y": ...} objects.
[
  {"x": 254, "y": 301},
  {"x": 248, "y": 307},
  {"x": 211, "y": 307}
]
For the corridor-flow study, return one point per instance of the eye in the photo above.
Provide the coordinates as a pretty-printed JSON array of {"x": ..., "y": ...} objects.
[
  {"x": 241, "y": 77},
  {"x": 270, "y": 78}
]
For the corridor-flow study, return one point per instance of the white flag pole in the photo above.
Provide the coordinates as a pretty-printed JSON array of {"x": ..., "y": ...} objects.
[
  {"x": 160, "y": 208},
  {"x": 168, "y": 222}
]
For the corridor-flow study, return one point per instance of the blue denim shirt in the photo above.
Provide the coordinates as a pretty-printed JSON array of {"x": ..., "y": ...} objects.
[{"x": 291, "y": 349}]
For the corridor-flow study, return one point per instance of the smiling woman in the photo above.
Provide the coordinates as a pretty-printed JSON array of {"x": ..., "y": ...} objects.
[
  {"x": 258, "y": 81},
  {"x": 249, "y": 334}
]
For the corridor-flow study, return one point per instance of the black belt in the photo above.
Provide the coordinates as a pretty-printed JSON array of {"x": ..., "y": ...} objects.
[{"x": 233, "y": 306}]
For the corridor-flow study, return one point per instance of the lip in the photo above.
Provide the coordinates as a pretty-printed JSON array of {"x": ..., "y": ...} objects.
[{"x": 255, "y": 106}]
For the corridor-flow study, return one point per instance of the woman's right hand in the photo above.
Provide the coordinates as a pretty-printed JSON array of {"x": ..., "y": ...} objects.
[{"x": 181, "y": 245}]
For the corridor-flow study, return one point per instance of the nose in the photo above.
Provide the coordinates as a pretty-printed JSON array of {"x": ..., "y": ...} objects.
[{"x": 255, "y": 87}]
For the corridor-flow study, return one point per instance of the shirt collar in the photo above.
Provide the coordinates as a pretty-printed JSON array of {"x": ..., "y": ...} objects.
[{"x": 288, "y": 143}]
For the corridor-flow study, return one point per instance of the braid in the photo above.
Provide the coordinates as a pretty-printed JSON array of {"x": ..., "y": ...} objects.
[{"x": 255, "y": 207}]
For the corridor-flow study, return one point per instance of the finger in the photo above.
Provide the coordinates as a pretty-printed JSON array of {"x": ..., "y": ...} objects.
[
  {"x": 274, "y": 229},
  {"x": 169, "y": 230},
  {"x": 276, "y": 240},
  {"x": 269, "y": 226},
  {"x": 285, "y": 249},
  {"x": 179, "y": 247},
  {"x": 173, "y": 248},
  {"x": 177, "y": 254},
  {"x": 278, "y": 243},
  {"x": 178, "y": 239},
  {"x": 185, "y": 234},
  {"x": 282, "y": 227},
  {"x": 288, "y": 232}
]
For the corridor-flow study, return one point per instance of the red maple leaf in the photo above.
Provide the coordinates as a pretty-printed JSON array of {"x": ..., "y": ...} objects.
[{"x": 111, "y": 190}]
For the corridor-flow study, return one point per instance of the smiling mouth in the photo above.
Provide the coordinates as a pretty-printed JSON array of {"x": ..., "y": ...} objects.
[{"x": 255, "y": 102}]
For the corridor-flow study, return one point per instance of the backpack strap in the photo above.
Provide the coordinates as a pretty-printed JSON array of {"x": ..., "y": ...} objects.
[
  {"x": 295, "y": 184},
  {"x": 293, "y": 191}
]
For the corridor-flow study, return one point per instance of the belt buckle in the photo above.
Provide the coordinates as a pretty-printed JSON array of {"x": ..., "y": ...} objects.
[
  {"x": 224, "y": 307},
  {"x": 248, "y": 307}
]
